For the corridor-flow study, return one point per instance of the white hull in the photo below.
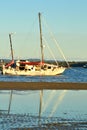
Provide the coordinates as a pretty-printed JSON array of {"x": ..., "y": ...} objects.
[{"x": 13, "y": 71}]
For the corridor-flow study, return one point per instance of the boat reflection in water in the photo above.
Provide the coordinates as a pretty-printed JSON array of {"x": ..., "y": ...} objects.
[{"x": 60, "y": 109}]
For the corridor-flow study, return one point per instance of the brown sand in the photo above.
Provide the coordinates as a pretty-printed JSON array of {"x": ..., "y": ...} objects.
[{"x": 41, "y": 85}]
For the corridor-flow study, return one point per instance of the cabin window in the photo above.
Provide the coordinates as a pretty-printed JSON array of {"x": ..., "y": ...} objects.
[
  {"x": 21, "y": 67},
  {"x": 49, "y": 67}
]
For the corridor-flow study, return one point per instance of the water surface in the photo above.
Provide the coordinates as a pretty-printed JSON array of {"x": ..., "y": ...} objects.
[{"x": 57, "y": 105}]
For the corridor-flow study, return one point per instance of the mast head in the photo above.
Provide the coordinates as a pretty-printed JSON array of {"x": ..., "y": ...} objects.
[{"x": 12, "y": 33}]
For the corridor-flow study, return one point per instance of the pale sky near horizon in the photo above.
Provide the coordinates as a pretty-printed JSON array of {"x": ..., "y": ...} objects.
[{"x": 66, "y": 18}]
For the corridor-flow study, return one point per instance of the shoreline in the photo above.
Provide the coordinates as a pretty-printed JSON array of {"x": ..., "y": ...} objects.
[{"x": 42, "y": 85}]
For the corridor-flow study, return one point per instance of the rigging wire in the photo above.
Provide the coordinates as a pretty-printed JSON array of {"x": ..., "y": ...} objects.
[
  {"x": 50, "y": 51},
  {"x": 52, "y": 36},
  {"x": 30, "y": 35}
]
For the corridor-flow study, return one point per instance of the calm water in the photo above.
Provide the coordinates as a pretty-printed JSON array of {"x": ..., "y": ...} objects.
[
  {"x": 70, "y": 75},
  {"x": 59, "y": 104}
]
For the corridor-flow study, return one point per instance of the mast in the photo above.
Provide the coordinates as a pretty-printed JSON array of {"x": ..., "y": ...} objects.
[
  {"x": 11, "y": 45},
  {"x": 41, "y": 44}
]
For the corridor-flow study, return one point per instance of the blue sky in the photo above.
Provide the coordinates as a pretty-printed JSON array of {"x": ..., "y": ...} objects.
[{"x": 66, "y": 18}]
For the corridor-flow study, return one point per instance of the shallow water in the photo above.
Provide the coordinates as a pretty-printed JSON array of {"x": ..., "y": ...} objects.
[{"x": 57, "y": 105}]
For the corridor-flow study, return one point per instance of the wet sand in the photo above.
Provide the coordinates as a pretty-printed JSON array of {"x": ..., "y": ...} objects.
[
  {"x": 42, "y": 85},
  {"x": 27, "y": 122}
]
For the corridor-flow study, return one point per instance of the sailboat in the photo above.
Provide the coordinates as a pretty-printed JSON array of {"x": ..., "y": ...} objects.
[
  {"x": 28, "y": 68},
  {"x": 85, "y": 66}
]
